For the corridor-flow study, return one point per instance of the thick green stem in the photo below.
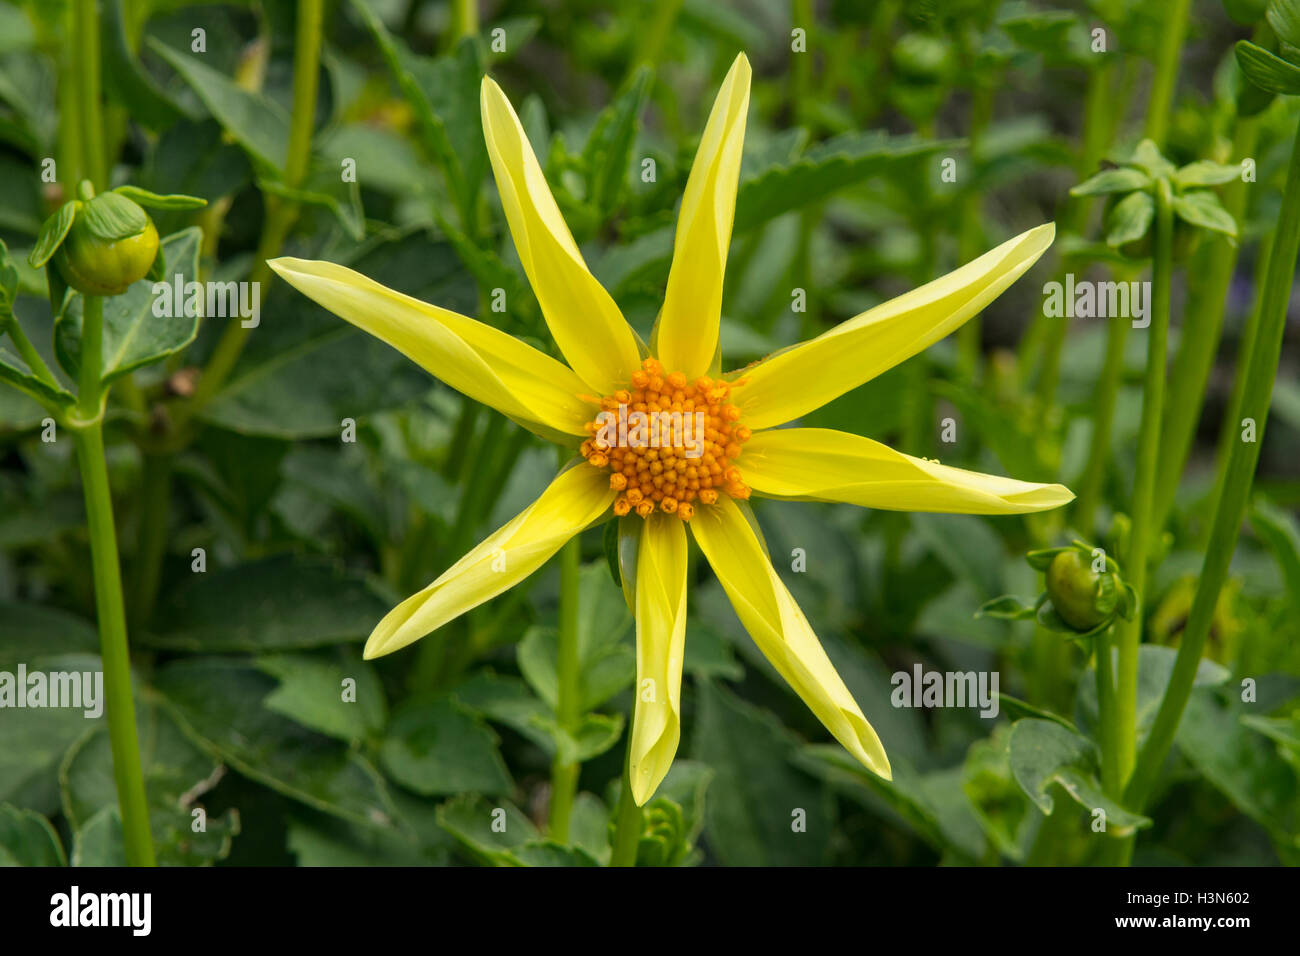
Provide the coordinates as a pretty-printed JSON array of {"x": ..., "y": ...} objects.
[
  {"x": 85, "y": 29},
  {"x": 1202, "y": 329},
  {"x": 109, "y": 606},
  {"x": 1107, "y": 715},
  {"x": 1258, "y": 369},
  {"x": 1161, "y": 102},
  {"x": 464, "y": 18},
  {"x": 1130, "y": 632},
  {"x": 1112, "y": 373},
  {"x": 627, "y": 825},
  {"x": 568, "y": 707},
  {"x": 155, "y": 498},
  {"x": 280, "y": 214}
]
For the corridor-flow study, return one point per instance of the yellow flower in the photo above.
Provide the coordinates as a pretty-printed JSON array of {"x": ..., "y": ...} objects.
[{"x": 743, "y": 450}]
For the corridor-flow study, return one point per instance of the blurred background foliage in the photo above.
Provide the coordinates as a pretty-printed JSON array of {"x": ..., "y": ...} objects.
[{"x": 309, "y": 540}]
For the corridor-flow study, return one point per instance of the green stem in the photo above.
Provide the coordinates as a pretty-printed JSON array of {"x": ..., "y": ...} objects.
[
  {"x": 28, "y": 352},
  {"x": 1259, "y": 372},
  {"x": 155, "y": 495},
  {"x": 1130, "y": 632},
  {"x": 85, "y": 28},
  {"x": 1202, "y": 329},
  {"x": 970, "y": 238},
  {"x": 568, "y": 707},
  {"x": 1107, "y": 716},
  {"x": 110, "y": 608},
  {"x": 1174, "y": 28},
  {"x": 1103, "y": 403},
  {"x": 464, "y": 18},
  {"x": 627, "y": 824},
  {"x": 280, "y": 214}
]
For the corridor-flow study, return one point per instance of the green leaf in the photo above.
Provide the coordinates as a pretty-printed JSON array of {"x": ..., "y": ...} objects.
[
  {"x": 1122, "y": 180},
  {"x": 434, "y": 747},
  {"x": 1202, "y": 208},
  {"x": 278, "y": 603},
  {"x": 1206, "y": 173},
  {"x": 339, "y": 694},
  {"x": 53, "y": 231},
  {"x": 111, "y": 216},
  {"x": 1147, "y": 155},
  {"x": 1130, "y": 219},
  {"x": 1245, "y": 766},
  {"x": 1016, "y": 709},
  {"x": 318, "y": 840},
  {"x": 135, "y": 335},
  {"x": 607, "y": 154},
  {"x": 1281, "y": 535},
  {"x": 999, "y": 804},
  {"x": 28, "y": 839},
  {"x": 825, "y": 169},
  {"x": 606, "y": 660},
  {"x": 1042, "y": 559},
  {"x": 14, "y": 371},
  {"x": 1043, "y": 753},
  {"x": 171, "y": 201},
  {"x": 1266, "y": 70},
  {"x": 218, "y": 703},
  {"x": 500, "y": 835},
  {"x": 257, "y": 123},
  {"x": 963, "y": 543},
  {"x": 444, "y": 93},
  {"x": 1007, "y": 607},
  {"x": 125, "y": 80},
  {"x": 1155, "y": 664},
  {"x": 1284, "y": 17},
  {"x": 758, "y": 792},
  {"x": 345, "y": 207},
  {"x": 176, "y": 773}
]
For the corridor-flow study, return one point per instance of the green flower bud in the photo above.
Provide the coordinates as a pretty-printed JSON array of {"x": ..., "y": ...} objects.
[
  {"x": 1082, "y": 597},
  {"x": 112, "y": 243}
]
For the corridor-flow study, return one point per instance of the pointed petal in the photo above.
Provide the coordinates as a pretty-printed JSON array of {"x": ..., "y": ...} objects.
[
  {"x": 575, "y": 499},
  {"x": 821, "y": 464},
  {"x": 796, "y": 381},
  {"x": 474, "y": 358},
  {"x": 587, "y": 325},
  {"x": 779, "y": 628},
  {"x": 687, "y": 336},
  {"x": 660, "y": 643}
]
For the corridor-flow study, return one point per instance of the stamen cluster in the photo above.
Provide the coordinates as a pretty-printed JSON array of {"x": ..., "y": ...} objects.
[{"x": 666, "y": 477}]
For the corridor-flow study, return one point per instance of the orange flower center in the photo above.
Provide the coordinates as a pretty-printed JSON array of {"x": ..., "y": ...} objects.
[{"x": 668, "y": 443}]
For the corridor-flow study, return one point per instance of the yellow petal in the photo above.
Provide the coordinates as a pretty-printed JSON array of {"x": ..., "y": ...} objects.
[
  {"x": 660, "y": 642},
  {"x": 820, "y": 464},
  {"x": 687, "y": 335},
  {"x": 807, "y": 376},
  {"x": 587, "y": 325},
  {"x": 575, "y": 499},
  {"x": 474, "y": 358},
  {"x": 777, "y": 625}
]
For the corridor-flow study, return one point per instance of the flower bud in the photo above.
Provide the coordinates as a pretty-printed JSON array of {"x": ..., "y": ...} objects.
[
  {"x": 1084, "y": 598},
  {"x": 111, "y": 244}
]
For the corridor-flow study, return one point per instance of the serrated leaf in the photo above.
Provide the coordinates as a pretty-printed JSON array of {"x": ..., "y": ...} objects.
[
  {"x": 314, "y": 692},
  {"x": 1269, "y": 72},
  {"x": 217, "y": 703},
  {"x": 1122, "y": 180},
  {"x": 1042, "y": 753},
  {"x": 28, "y": 839},
  {"x": 1202, "y": 208},
  {"x": 1130, "y": 219},
  {"x": 134, "y": 335},
  {"x": 278, "y": 603},
  {"x": 609, "y": 146},
  {"x": 434, "y": 747},
  {"x": 257, "y": 123},
  {"x": 823, "y": 170}
]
